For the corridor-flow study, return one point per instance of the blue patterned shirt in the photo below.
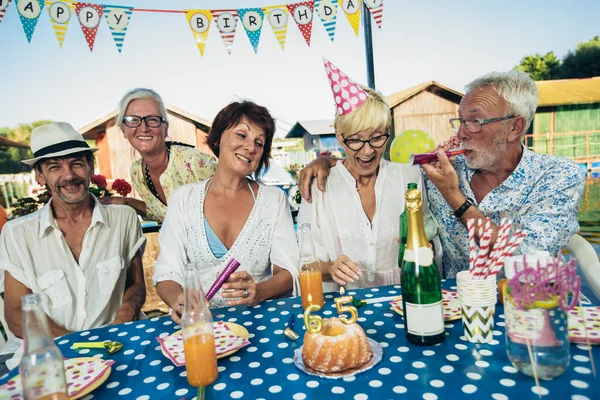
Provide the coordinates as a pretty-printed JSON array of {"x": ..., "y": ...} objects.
[{"x": 541, "y": 196}]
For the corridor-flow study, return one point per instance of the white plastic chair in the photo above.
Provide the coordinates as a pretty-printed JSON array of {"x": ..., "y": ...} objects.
[{"x": 588, "y": 261}]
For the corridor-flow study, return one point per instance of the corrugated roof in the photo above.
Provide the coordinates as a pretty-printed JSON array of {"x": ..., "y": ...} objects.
[
  {"x": 397, "y": 98},
  {"x": 314, "y": 128},
  {"x": 569, "y": 91}
]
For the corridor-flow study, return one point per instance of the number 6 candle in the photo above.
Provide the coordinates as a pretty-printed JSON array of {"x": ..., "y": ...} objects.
[{"x": 313, "y": 323}]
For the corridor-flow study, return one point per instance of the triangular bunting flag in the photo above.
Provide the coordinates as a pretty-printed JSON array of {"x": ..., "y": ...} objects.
[
  {"x": 227, "y": 23},
  {"x": 352, "y": 10},
  {"x": 3, "y": 6},
  {"x": 376, "y": 9},
  {"x": 252, "y": 20},
  {"x": 199, "y": 21},
  {"x": 303, "y": 15},
  {"x": 29, "y": 12},
  {"x": 89, "y": 19},
  {"x": 117, "y": 18},
  {"x": 60, "y": 15},
  {"x": 327, "y": 10},
  {"x": 278, "y": 17}
]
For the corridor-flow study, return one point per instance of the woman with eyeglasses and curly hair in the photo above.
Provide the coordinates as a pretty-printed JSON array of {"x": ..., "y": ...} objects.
[
  {"x": 164, "y": 165},
  {"x": 355, "y": 221}
]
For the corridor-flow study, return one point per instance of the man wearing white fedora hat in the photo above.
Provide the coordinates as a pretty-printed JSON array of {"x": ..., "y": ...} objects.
[{"x": 81, "y": 256}]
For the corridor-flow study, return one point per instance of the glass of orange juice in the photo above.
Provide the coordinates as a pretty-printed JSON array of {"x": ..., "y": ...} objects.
[
  {"x": 311, "y": 280},
  {"x": 198, "y": 333}
]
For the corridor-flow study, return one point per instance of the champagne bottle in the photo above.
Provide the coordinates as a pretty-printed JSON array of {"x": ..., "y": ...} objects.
[
  {"x": 421, "y": 283},
  {"x": 42, "y": 366},
  {"x": 403, "y": 230}
]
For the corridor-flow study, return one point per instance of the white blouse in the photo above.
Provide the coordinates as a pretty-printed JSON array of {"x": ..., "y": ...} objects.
[
  {"x": 341, "y": 227},
  {"x": 266, "y": 239}
]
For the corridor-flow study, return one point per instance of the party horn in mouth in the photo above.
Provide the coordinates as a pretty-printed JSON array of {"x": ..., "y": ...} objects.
[
  {"x": 425, "y": 158},
  {"x": 232, "y": 265}
]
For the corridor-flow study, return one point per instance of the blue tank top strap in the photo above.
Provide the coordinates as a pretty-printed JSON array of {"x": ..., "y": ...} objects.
[{"x": 214, "y": 243}]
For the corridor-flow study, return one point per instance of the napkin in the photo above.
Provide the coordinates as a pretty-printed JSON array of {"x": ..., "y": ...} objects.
[
  {"x": 449, "y": 301},
  {"x": 577, "y": 325},
  {"x": 81, "y": 374},
  {"x": 225, "y": 342}
]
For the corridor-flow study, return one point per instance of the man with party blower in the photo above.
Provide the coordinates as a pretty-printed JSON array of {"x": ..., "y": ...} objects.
[
  {"x": 497, "y": 176},
  {"x": 82, "y": 256}
]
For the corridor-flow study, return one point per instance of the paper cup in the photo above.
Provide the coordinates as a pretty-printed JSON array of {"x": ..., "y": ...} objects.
[
  {"x": 478, "y": 323},
  {"x": 476, "y": 292}
]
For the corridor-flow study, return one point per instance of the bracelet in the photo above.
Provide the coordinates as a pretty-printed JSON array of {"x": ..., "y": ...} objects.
[{"x": 462, "y": 209}]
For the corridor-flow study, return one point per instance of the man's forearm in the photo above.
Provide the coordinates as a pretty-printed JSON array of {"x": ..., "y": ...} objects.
[{"x": 133, "y": 300}]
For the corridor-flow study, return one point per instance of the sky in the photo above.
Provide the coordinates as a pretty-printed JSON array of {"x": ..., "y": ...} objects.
[{"x": 449, "y": 41}]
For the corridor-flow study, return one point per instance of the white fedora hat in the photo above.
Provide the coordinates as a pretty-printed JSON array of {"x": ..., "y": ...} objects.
[{"x": 56, "y": 139}]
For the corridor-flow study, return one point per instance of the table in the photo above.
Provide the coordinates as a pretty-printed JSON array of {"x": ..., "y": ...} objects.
[{"x": 264, "y": 369}]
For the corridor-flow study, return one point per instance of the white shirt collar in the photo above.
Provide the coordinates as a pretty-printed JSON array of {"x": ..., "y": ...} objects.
[{"x": 47, "y": 219}]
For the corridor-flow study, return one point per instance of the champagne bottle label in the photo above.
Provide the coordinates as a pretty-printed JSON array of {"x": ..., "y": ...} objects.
[
  {"x": 423, "y": 256},
  {"x": 424, "y": 319}
]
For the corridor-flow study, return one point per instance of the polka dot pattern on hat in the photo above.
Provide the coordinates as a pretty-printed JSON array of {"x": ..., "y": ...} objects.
[{"x": 348, "y": 95}]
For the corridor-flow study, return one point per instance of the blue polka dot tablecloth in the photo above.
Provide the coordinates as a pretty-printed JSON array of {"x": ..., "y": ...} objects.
[{"x": 265, "y": 369}]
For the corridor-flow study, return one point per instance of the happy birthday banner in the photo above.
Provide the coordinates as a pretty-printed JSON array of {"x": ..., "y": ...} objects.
[{"x": 199, "y": 21}]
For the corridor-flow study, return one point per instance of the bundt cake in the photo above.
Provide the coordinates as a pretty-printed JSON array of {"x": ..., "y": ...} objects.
[{"x": 338, "y": 347}]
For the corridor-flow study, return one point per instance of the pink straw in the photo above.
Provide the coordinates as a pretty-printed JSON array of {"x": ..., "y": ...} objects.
[{"x": 472, "y": 249}]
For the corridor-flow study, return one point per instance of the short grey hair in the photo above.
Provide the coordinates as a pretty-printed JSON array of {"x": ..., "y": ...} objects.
[
  {"x": 516, "y": 88},
  {"x": 137, "y": 94}
]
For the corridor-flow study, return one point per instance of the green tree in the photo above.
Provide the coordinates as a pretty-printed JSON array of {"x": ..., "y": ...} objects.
[
  {"x": 540, "y": 68},
  {"x": 10, "y": 157},
  {"x": 584, "y": 62}
]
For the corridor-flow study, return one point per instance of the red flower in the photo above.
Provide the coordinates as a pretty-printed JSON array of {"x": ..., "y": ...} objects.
[
  {"x": 99, "y": 180},
  {"x": 324, "y": 153},
  {"x": 122, "y": 187}
]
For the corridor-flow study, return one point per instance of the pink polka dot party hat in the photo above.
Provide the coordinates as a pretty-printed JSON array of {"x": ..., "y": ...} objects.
[{"x": 348, "y": 95}]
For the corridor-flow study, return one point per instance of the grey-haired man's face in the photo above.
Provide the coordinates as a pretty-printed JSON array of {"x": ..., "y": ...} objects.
[{"x": 68, "y": 178}]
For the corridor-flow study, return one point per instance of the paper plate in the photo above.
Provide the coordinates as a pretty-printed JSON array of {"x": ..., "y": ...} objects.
[
  {"x": 579, "y": 325},
  {"x": 449, "y": 301},
  {"x": 377, "y": 356},
  {"x": 237, "y": 329},
  {"x": 83, "y": 375}
]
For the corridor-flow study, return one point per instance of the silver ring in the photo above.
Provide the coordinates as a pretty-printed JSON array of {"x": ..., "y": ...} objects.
[{"x": 246, "y": 293}]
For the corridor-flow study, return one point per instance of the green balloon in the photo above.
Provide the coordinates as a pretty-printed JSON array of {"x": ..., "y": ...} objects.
[{"x": 408, "y": 143}]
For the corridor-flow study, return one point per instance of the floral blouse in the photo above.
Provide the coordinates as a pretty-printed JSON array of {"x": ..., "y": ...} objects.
[
  {"x": 541, "y": 196},
  {"x": 186, "y": 165}
]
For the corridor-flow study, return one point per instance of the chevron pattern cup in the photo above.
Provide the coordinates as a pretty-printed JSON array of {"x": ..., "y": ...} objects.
[
  {"x": 478, "y": 323},
  {"x": 477, "y": 298}
]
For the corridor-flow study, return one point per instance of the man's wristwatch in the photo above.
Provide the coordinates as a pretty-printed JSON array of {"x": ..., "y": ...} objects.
[{"x": 458, "y": 213}]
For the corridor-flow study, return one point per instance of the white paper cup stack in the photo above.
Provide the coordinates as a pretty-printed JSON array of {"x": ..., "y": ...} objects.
[{"x": 477, "y": 298}]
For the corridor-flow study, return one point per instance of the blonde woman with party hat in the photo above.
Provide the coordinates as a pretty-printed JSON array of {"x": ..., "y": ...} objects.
[{"x": 356, "y": 219}]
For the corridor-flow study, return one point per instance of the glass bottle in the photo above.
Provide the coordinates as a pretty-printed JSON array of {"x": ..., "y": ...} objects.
[
  {"x": 403, "y": 231},
  {"x": 198, "y": 333},
  {"x": 42, "y": 367},
  {"x": 421, "y": 283},
  {"x": 311, "y": 280}
]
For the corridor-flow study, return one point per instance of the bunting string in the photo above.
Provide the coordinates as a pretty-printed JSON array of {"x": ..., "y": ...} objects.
[{"x": 252, "y": 19}]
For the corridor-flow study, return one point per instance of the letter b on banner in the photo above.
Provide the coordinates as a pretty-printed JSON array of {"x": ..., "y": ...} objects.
[{"x": 199, "y": 23}]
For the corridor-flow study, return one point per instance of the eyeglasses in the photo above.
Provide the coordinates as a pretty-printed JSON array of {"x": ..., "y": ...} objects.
[
  {"x": 474, "y": 125},
  {"x": 152, "y": 121},
  {"x": 376, "y": 142}
]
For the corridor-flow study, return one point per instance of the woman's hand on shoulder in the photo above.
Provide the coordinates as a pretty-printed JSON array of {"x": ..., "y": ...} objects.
[
  {"x": 241, "y": 286},
  {"x": 113, "y": 200},
  {"x": 344, "y": 270}
]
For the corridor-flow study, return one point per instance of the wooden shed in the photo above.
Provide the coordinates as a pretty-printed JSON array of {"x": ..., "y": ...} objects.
[
  {"x": 115, "y": 154},
  {"x": 567, "y": 121},
  {"x": 426, "y": 107}
]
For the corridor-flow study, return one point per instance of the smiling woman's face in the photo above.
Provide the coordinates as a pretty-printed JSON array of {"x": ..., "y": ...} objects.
[
  {"x": 143, "y": 138},
  {"x": 241, "y": 147},
  {"x": 365, "y": 161}
]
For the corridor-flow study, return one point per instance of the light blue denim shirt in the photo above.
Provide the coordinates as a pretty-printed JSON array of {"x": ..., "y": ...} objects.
[{"x": 541, "y": 196}]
